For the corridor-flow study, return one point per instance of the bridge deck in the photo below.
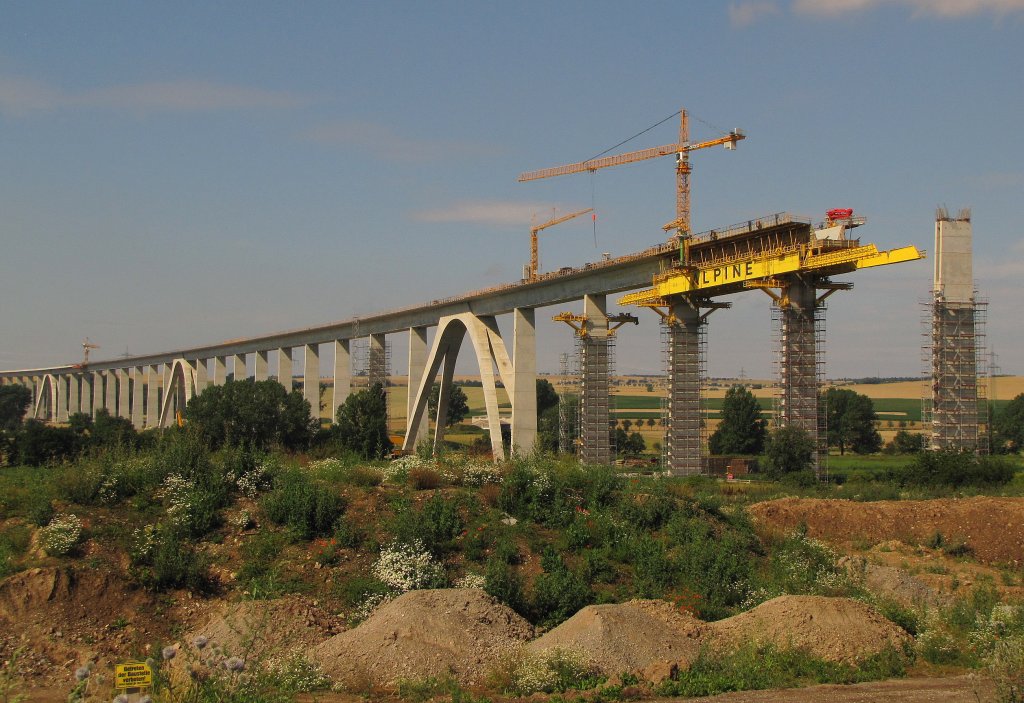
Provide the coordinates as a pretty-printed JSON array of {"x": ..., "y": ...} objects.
[{"x": 617, "y": 275}]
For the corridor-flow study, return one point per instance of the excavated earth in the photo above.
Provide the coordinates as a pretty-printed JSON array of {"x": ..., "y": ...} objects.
[
  {"x": 993, "y": 528},
  {"x": 646, "y": 638},
  {"x": 458, "y": 632},
  {"x": 834, "y": 629}
]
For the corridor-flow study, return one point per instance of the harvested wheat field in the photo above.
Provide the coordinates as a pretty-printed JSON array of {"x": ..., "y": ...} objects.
[
  {"x": 641, "y": 637},
  {"x": 458, "y": 632},
  {"x": 993, "y": 528},
  {"x": 835, "y": 629}
]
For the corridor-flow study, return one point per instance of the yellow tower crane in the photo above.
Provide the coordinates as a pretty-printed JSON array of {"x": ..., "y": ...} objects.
[
  {"x": 680, "y": 149},
  {"x": 534, "y": 253}
]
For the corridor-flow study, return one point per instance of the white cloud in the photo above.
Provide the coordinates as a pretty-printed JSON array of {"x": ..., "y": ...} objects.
[
  {"x": 20, "y": 96},
  {"x": 920, "y": 8},
  {"x": 386, "y": 143},
  {"x": 744, "y": 14},
  {"x": 490, "y": 212}
]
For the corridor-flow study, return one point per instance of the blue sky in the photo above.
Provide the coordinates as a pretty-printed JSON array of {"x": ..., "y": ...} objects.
[{"x": 181, "y": 173}]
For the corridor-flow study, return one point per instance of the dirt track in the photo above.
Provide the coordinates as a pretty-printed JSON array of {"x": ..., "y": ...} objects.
[{"x": 960, "y": 689}]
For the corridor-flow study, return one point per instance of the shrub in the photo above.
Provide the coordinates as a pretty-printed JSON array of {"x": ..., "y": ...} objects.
[
  {"x": 553, "y": 670},
  {"x": 503, "y": 582},
  {"x": 61, "y": 535},
  {"x": 436, "y": 524},
  {"x": 1006, "y": 669},
  {"x": 162, "y": 560},
  {"x": 558, "y": 592},
  {"x": 306, "y": 507},
  {"x": 408, "y": 567},
  {"x": 423, "y": 479},
  {"x": 958, "y": 469}
]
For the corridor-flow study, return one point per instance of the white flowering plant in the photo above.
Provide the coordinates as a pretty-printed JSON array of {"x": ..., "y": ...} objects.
[
  {"x": 61, "y": 535},
  {"x": 408, "y": 567}
]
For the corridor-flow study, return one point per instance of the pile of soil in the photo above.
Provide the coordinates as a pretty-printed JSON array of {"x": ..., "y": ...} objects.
[
  {"x": 458, "y": 631},
  {"x": 892, "y": 582},
  {"x": 266, "y": 631},
  {"x": 646, "y": 638},
  {"x": 835, "y": 629},
  {"x": 993, "y": 528}
]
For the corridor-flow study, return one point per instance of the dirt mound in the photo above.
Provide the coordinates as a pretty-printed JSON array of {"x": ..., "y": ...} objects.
[
  {"x": 424, "y": 633},
  {"x": 891, "y": 582},
  {"x": 993, "y": 528},
  {"x": 267, "y": 630},
  {"x": 641, "y": 637},
  {"x": 836, "y": 629}
]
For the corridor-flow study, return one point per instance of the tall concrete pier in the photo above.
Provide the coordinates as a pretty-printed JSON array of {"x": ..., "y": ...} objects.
[{"x": 955, "y": 407}]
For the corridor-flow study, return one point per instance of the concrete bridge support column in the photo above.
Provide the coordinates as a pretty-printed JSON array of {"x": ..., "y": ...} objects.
[
  {"x": 202, "y": 372},
  {"x": 798, "y": 362},
  {"x": 284, "y": 368},
  {"x": 683, "y": 434},
  {"x": 135, "y": 373},
  {"x": 124, "y": 397},
  {"x": 238, "y": 367},
  {"x": 595, "y": 418},
  {"x": 342, "y": 375},
  {"x": 311, "y": 379},
  {"x": 524, "y": 385},
  {"x": 377, "y": 363},
  {"x": 60, "y": 398},
  {"x": 261, "y": 366},
  {"x": 97, "y": 392},
  {"x": 220, "y": 370},
  {"x": 74, "y": 394},
  {"x": 417, "y": 367},
  {"x": 110, "y": 391},
  {"x": 87, "y": 381},
  {"x": 154, "y": 382}
]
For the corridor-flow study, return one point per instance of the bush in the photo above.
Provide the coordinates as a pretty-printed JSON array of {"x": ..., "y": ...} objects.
[
  {"x": 789, "y": 450},
  {"x": 61, "y": 535},
  {"x": 503, "y": 582},
  {"x": 436, "y": 524},
  {"x": 558, "y": 592},
  {"x": 408, "y": 567},
  {"x": 306, "y": 507},
  {"x": 958, "y": 469},
  {"x": 161, "y": 560},
  {"x": 423, "y": 479}
]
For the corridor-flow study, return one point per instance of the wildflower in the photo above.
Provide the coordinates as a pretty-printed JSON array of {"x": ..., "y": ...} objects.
[
  {"x": 81, "y": 673},
  {"x": 200, "y": 642},
  {"x": 234, "y": 664},
  {"x": 169, "y": 652}
]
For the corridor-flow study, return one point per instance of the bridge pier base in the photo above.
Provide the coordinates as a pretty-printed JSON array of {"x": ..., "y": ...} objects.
[
  {"x": 800, "y": 317},
  {"x": 683, "y": 434},
  {"x": 595, "y": 417}
]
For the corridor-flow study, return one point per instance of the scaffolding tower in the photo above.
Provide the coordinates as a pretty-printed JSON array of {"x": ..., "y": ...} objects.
[
  {"x": 684, "y": 414},
  {"x": 569, "y": 404},
  {"x": 955, "y": 407},
  {"x": 800, "y": 370},
  {"x": 596, "y": 362}
]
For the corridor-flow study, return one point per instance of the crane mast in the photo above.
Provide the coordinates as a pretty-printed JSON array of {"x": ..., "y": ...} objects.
[
  {"x": 680, "y": 149},
  {"x": 534, "y": 251}
]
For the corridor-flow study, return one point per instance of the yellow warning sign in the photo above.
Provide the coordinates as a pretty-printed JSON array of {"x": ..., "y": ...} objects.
[{"x": 133, "y": 675}]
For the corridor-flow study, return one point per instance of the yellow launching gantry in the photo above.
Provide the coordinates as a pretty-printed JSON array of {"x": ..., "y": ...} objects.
[{"x": 771, "y": 265}]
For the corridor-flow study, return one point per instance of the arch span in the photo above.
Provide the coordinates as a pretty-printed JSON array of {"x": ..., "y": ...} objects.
[
  {"x": 490, "y": 355},
  {"x": 179, "y": 389}
]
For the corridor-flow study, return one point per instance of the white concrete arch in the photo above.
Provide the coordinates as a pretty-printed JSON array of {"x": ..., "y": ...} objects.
[
  {"x": 180, "y": 386},
  {"x": 47, "y": 398},
  {"x": 490, "y": 353}
]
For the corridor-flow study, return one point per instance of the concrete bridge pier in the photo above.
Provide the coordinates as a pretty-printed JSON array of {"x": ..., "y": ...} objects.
[
  {"x": 123, "y": 394},
  {"x": 153, "y": 381},
  {"x": 798, "y": 360},
  {"x": 74, "y": 394},
  {"x": 342, "y": 374},
  {"x": 238, "y": 370},
  {"x": 595, "y": 416},
  {"x": 311, "y": 379},
  {"x": 261, "y": 365},
  {"x": 683, "y": 434},
  {"x": 523, "y": 393},
  {"x": 417, "y": 367},
  {"x": 284, "y": 368}
]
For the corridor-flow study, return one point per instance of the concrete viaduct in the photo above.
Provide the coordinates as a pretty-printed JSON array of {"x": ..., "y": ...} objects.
[{"x": 149, "y": 389}]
